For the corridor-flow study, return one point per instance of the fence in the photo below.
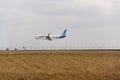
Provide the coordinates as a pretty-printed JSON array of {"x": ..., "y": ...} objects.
[{"x": 59, "y": 47}]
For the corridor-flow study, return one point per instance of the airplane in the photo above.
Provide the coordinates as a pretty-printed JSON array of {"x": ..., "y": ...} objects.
[{"x": 50, "y": 37}]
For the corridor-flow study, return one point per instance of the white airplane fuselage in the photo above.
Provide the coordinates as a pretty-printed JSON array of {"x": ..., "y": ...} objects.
[{"x": 51, "y": 37}]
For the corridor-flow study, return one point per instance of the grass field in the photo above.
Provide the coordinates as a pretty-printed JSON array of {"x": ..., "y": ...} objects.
[{"x": 60, "y": 65}]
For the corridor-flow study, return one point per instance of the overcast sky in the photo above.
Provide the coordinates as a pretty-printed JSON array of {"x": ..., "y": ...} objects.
[{"x": 89, "y": 22}]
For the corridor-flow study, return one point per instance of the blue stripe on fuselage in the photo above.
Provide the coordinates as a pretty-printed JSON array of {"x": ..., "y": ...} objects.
[{"x": 62, "y": 36}]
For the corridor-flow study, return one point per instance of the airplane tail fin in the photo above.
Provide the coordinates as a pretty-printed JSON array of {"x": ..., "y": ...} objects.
[{"x": 64, "y": 32}]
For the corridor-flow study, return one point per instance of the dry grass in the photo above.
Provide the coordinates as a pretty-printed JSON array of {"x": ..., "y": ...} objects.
[{"x": 59, "y": 65}]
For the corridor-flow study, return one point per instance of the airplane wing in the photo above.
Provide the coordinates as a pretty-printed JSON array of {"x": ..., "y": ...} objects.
[{"x": 48, "y": 37}]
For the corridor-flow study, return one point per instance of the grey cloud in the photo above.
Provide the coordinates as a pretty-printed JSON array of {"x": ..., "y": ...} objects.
[{"x": 85, "y": 20}]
